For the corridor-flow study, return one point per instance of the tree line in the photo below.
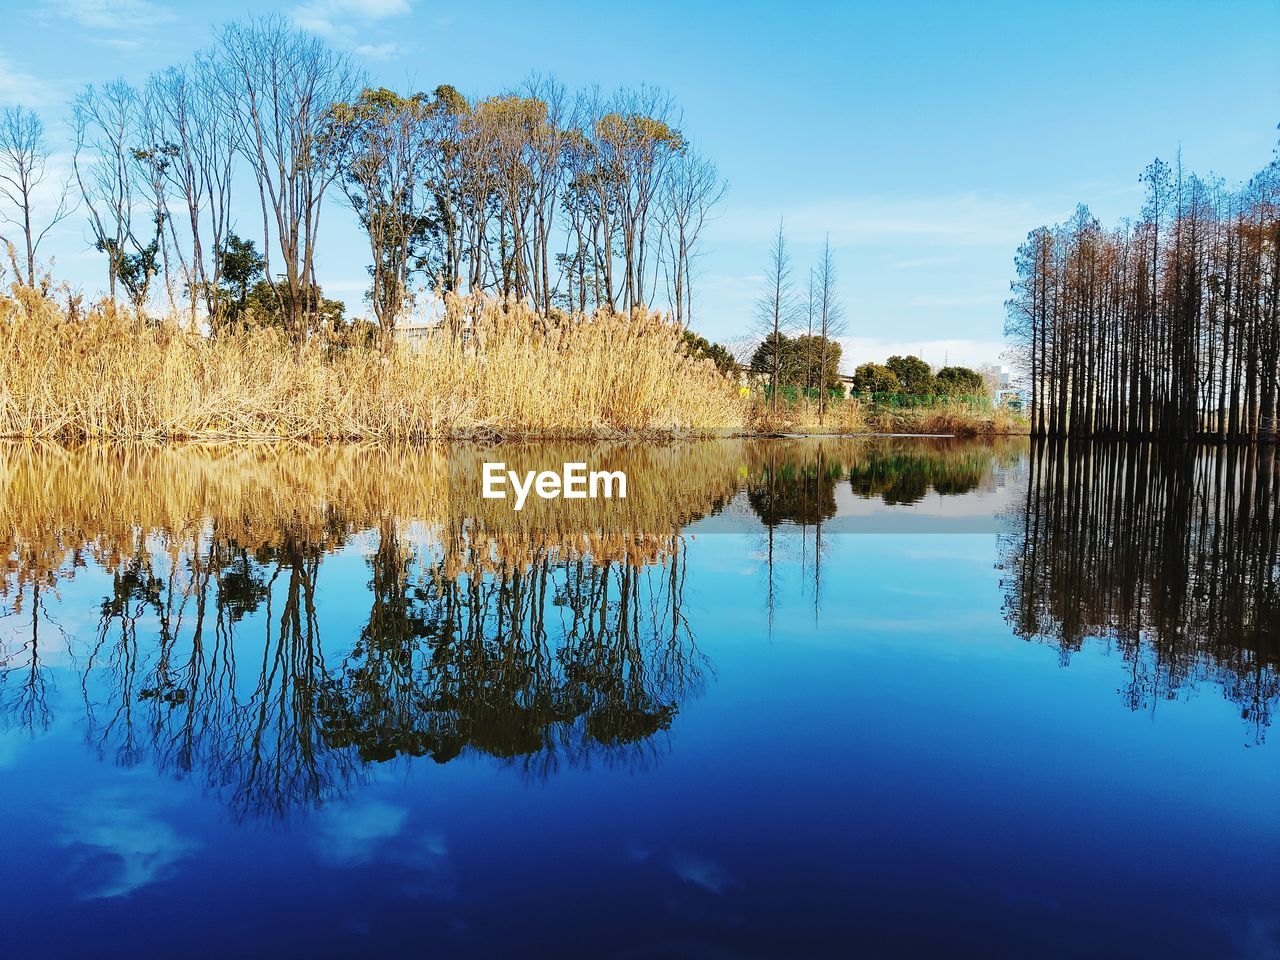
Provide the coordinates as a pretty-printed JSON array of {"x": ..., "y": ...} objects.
[
  {"x": 911, "y": 376},
  {"x": 1164, "y": 327},
  {"x": 570, "y": 201}
]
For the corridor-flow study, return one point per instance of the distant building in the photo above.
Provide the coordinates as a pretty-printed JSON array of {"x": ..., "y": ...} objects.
[
  {"x": 1013, "y": 397},
  {"x": 413, "y": 334},
  {"x": 422, "y": 324}
]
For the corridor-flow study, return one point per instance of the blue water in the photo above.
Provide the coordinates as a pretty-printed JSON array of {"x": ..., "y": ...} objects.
[{"x": 863, "y": 759}]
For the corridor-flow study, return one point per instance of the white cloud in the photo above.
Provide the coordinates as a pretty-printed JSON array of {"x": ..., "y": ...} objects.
[
  {"x": 355, "y": 833},
  {"x": 915, "y": 263},
  {"x": 346, "y": 21},
  {"x": 958, "y": 351},
  {"x": 119, "y": 43},
  {"x": 361, "y": 9},
  {"x": 377, "y": 51},
  {"x": 854, "y": 351},
  {"x": 956, "y": 300},
  {"x": 18, "y": 87},
  {"x": 346, "y": 286},
  {"x": 11, "y": 744},
  {"x": 700, "y": 872},
  {"x": 951, "y": 220},
  {"x": 110, "y": 14}
]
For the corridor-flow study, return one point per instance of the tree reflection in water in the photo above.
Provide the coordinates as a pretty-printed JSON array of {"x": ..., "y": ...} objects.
[
  {"x": 1171, "y": 555},
  {"x": 551, "y": 637},
  {"x": 541, "y": 639},
  {"x": 553, "y": 660},
  {"x": 792, "y": 486}
]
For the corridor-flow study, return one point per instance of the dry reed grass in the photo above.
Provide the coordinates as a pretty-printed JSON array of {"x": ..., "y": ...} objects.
[
  {"x": 514, "y": 374},
  {"x": 491, "y": 370},
  {"x": 121, "y": 504}
]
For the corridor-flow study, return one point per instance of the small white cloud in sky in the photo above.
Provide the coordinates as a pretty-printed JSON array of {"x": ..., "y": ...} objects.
[
  {"x": 110, "y": 14},
  {"x": 17, "y": 87},
  {"x": 949, "y": 220},
  {"x": 338, "y": 20},
  {"x": 12, "y": 743},
  {"x": 701, "y": 872},
  {"x": 377, "y": 51},
  {"x": 958, "y": 351},
  {"x": 364, "y": 9},
  {"x": 917, "y": 263},
  {"x": 957, "y": 300}
]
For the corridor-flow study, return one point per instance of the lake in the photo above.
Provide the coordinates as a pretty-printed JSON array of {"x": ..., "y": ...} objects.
[{"x": 789, "y": 698}]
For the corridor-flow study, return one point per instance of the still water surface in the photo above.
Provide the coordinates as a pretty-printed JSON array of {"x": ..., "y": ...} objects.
[{"x": 791, "y": 698}]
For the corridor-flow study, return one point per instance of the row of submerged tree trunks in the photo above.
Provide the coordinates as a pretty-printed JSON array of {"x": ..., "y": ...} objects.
[{"x": 1166, "y": 329}]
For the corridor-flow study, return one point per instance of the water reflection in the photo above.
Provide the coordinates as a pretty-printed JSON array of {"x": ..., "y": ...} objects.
[
  {"x": 797, "y": 481},
  {"x": 561, "y": 657},
  {"x": 275, "y": 624},
  {"x": 544, "y": 638},
  {"x": 1171, "y": 555}
]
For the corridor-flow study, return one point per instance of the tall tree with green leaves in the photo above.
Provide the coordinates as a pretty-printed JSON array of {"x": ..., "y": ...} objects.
[
  {"x": 914, "y": 374},
  {"x": 381, "y": 145}
]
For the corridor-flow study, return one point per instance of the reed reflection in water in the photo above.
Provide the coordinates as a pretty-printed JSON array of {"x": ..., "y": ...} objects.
[
  {"x": 276, "y": 623},
  {"x": 525, "y": 638}
]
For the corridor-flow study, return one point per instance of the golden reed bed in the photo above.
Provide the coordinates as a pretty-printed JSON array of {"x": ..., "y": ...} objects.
[{"x": 491, "y": 370}]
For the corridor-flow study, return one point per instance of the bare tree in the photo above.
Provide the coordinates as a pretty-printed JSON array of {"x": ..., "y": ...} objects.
[
  {"x": 548, "y": 174},
  {"x": 479, "y": 200},
  {"x": 776, "y": 309},
  {"x": 689, "y": 193},
  {"x": 1167, "y": 328},
  {"x": 831, "y": 322},
  {"x": 634, "y": 142},
  {"x": 588, "y": 201},
  {"x": 187, "y": 119},
  {"x": 24, "y": 168},
  {"x": 280, "y": 83},
  {"x": 154, "y": 159},
  {"x": 446, "y": 183},
  {"x": 505, "y": 127},
  {"x": 105, "y": 124},
  {"x": 811, "y": 310}
]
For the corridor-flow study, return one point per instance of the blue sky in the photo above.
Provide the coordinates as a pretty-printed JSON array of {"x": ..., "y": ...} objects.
[{"x": 926, "y": 138}]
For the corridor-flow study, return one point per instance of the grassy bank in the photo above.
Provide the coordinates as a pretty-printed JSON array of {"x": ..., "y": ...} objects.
[
  {"x": 855, "y": 417},
  {"x": 489, "y": 371}
]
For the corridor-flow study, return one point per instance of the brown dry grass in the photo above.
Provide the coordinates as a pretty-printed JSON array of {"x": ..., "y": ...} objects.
[{"x": 516, "y": 375}]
